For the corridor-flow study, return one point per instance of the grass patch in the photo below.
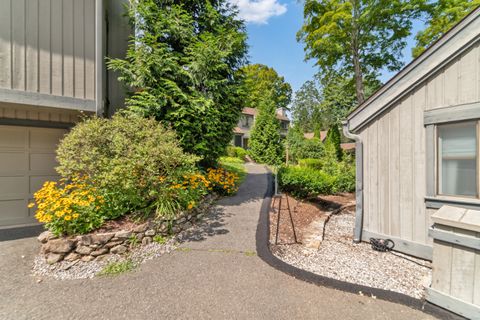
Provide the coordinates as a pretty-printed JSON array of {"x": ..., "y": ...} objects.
[
  {"x": 160, "y": 239},
  {"x": 117, "y": 267},
  {"x": 234, "y": 165}
]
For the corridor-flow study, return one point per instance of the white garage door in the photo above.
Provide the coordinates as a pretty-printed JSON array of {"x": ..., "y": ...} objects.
[{"x": 27, "y": 160}]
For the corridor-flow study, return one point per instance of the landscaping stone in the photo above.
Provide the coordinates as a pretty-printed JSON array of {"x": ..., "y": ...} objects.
[
  {"x": 84, "y": 250},
  {"x": 87, "y": 258},
  {"x": 102, "y": 238},
  {"x": 140, "y": 236},
  {"x": 99, "y": 252},
  {"x": 112, "y": 244},
  {"x": 146, "y": 240},
  {"x": 150, "y": 233},
  {"x": 119, "y": 249},
  {"x": 59, "y": 246},
  {"x": 72, "y": 256},
  {"x": 94, "y": 246},
  {"x": 141, "y": 228},
  {"x": 85, "y": 240},
  {"x": 54, "y": 258},
  {"x": 45, "y": 236},
  {"x": 123, "y": 234}
]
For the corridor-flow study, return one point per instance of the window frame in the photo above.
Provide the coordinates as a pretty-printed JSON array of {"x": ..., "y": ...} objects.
[{"x": 438, "y": 160}]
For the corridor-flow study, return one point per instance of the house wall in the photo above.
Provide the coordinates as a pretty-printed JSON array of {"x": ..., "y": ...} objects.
[
  {"x": 48, "y": 47},
  {"x": 395, "y": 163}
]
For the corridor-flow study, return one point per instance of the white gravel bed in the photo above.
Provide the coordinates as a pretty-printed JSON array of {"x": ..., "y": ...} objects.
[
  {"x": 82, "y": 270},
  {"x": 339, "y": 258}
]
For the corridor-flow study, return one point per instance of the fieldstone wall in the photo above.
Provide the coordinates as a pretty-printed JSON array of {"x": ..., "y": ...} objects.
[{"x": 93, "y": 246}]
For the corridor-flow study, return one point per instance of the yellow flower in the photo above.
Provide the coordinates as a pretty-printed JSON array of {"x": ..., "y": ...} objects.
[
  {"x": 31, "y": 205},
  {"x": 68, "y": 218},
  {"x": 75, "y": 215},
  {"x": 190, "y": 205}
]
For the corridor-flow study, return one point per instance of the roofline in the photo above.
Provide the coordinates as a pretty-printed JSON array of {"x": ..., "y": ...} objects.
[{"x": 414, "y": 80}]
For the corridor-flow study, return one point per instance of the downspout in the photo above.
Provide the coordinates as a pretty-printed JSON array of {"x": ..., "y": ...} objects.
[
  {"x": 357, "y": 233},
  {"x": 99, "y": 57}
]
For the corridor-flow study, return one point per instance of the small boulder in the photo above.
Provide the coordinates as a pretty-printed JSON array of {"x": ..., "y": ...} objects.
[
  {"x": 84, "y": 250},
  {"x": 72, "y": 256},
  {"x": 99, "y": 252},
  {"x": 150, "y": 233},
  {"x": 113, "y": 244},
  {"x": 53, "y": 258},
  {"x": 45, "y": 236},
  {"x": 59, "y": 246},
  {"x": 123, "y": 234},
  {"x": 102, "y": 238},
  {"x": 141, "y": 228},
  {"x": 146, "y": 240},
  {"x": 119, "y": 249},
  {"x": 85, "y": 240},
  {"x": 87, "y": 258}
]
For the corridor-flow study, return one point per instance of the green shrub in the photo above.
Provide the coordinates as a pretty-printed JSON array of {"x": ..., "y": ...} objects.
[
  {"x": 310, "y": 163},
  {"x": 301, "y": 148},
  {"x": 236, "y": 152},
  {"x": 303, "y": 182},
  {"x": 128, "y": 159}
]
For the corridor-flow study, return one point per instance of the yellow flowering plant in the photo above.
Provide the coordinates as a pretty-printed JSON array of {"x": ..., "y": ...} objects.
[
  {"x": 222, "y": 182},
  {"x": 68, "y": 208}
]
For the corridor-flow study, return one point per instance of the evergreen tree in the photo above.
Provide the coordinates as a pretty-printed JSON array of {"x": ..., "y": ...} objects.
[
  {"x": 333, "y": 141},
  {"x": 181, "y": 68},
  {"x": 265, "y": 141}
]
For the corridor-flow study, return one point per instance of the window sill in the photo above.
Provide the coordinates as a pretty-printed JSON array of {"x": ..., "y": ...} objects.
[{"x": 439, "y": 201}]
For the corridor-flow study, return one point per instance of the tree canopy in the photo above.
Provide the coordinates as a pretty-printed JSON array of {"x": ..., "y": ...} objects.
[
  {"x": 260, "y": 80},
  {"x": 181, "y": 68},
  {"x": 443, "y": 14},
  {"x": 357, "y": 38}
]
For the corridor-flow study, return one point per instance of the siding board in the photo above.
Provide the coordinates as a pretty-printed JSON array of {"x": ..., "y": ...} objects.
[
  {"x": 68, "y": 35},
  {"x": 383, "y": 176},
  {"x": 56, "y": 34},
  {"x": 79, "y": 49},
  {"x": 32, "y": 49},
  {"x": 45, "y": 59},
  {"x": 5, "y": 44},
  {"x": 394, "y": 174},
  {"x": 18, "y": 45}
]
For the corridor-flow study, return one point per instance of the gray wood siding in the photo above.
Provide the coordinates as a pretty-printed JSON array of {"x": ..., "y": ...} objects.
[
  {"x": 48, "y": 46},
  {"x": 22, "y": 112},
  {"x": 395, "y": 151}
]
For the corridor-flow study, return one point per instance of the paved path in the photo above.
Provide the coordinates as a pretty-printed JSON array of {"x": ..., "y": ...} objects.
[{"x": 214, "y": 276}]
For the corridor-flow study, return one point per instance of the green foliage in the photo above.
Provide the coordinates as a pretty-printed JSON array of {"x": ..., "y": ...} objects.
[
  {"x": 265, "y": 141},
  {"x": 236, "y": 152},
  {"x": 117, "y": 267},
  {"x": 235, "y": 166},
  {"x": 306, "y": 112},
  {"x": 259, "y": 80},
  {"x": 301, "y": 148},
  {"x": 443, "y": 14},
  {"x": 303, "y": 182},
  {"x": 333, "y": 141},
  {"x": 357, "y": 39},
  {"x": 181, "y": 68},
  {"x": 160, "y": 239},
  {"x": 125, "y": 158},
  {"x": 311, "y": 163}
]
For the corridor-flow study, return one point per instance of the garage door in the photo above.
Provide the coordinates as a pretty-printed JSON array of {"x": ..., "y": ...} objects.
[{"x": 27, "y": 160}]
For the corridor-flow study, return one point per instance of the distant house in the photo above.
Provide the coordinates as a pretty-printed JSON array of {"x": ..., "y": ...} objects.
[
  {"x": 245, "y": 124},
  {"x": 347, "y": 146},
  {"x": 420, "y": 139}
]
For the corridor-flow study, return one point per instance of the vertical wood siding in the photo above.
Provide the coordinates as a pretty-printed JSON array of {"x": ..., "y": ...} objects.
[
  {"x": 48, "y": 46},
  {"x": 395, "y": 157}
]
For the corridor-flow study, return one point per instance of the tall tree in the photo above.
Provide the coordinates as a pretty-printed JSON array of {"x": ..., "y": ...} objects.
[
  {"x": 357, "y": 37},
  {"x": 443, "y": 14},
  {"x": 265, "y": 141},
  {"x": 306, "y": 107},
  {"x": 260, "y": 80},
  {"x": 181, "y": 68}
]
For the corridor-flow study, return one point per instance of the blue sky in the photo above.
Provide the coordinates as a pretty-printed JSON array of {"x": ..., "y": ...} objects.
[{"x": 272, "y": 26}]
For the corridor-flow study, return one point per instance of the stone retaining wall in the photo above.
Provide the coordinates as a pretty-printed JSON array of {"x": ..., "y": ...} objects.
[{"x": 93, "y": 246}]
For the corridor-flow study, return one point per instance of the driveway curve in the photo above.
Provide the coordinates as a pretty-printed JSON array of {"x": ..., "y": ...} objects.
[{"x": 215, "y": 274}]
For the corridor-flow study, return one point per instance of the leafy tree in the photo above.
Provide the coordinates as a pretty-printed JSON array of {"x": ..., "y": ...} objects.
[
  {"x": 443, "y": 14},
  {"x": 181, "y": 68},
  {"x": 357, "y": 38},
  {"x": 265, "y": 141},
  {"x": 259, "y": 80},
  {"x": 306, "y": 107},
  {"x": 301, "y": 148}
]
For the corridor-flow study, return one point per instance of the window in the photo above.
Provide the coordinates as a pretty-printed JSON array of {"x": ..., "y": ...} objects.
[
  {"x": 247, "y": 121},
  {"x": 457, "y": 159},
  {"x": 237, "y": 140}
]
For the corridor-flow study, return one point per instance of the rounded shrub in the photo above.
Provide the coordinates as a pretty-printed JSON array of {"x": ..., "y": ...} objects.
[
  {"x": 310, "y": 163},
  {"x": 304, "y": 182},
  {"x": 125, "y": 158}
]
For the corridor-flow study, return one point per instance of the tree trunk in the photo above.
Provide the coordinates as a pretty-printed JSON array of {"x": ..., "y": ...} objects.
[{"x": 358, "y": 79}]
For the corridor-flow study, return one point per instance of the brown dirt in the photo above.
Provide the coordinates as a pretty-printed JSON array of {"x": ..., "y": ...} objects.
[
  {"x": 303, "y": 213},
  {"x": 122, "y": 223}
]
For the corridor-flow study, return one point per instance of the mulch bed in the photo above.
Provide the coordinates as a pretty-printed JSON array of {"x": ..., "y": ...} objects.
[{"x": 337, "y": 256}]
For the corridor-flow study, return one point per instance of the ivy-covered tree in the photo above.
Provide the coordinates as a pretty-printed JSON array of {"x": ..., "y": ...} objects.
[
  {"x": 443, "y": 14},
  {"x": 181, "y": 68},
  {"x": 259, "y": 80},
  {"x": 265, "y": 141},
  {"x": 357, "y": 38}
]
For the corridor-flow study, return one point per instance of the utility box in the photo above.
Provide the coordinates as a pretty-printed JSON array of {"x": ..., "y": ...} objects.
[{"x": 456, "y": 261}]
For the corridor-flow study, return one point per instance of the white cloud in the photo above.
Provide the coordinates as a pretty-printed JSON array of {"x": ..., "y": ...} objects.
[{"x": 259, "y": 11}]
